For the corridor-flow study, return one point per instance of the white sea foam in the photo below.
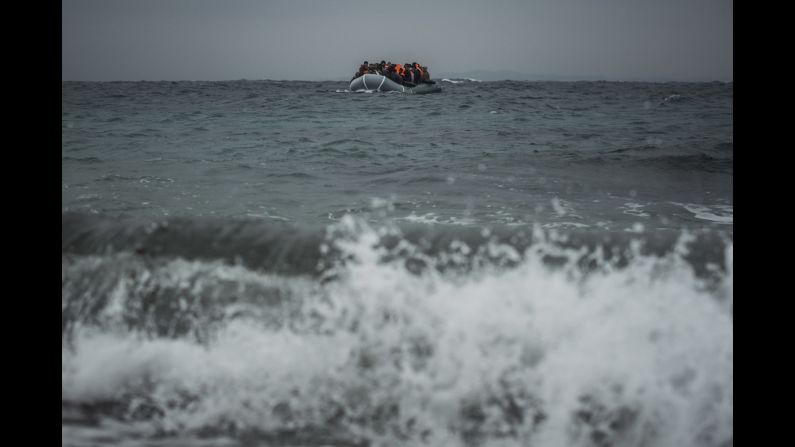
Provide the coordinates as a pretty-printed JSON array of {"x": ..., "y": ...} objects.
[
  {"x": 460, "y": 80},
  {"x": 265, "y": 215},
  {"x": 638, "y": 355},
  {"x": 566, "y": 225},
  {"x": 635, "y": 209},
  {"x": 722, "y": 214},
  {"x": 434, "y": 219}
]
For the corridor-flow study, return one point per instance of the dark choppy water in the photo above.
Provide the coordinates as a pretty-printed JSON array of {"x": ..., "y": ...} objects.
[{"x": 502, "y": 263}]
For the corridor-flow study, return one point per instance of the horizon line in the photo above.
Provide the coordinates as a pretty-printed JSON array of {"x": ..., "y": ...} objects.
[{"x": 438, "y": 78}]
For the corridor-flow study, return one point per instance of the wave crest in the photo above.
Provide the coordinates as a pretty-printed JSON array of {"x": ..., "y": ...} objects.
[{"x": 516, "y": 350}]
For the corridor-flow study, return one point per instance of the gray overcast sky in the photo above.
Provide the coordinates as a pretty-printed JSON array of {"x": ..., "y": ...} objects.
[{"x": 327, "y": 39}]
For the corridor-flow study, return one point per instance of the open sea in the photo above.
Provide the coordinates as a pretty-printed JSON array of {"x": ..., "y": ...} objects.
[{"x": 286, "y": 263}]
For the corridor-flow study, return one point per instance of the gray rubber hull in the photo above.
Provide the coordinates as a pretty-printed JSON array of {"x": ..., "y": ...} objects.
[{"x": 382, "y": 84}]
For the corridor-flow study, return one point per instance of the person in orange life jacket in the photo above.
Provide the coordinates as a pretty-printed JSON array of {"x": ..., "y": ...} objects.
[
  {"x": 362, "y": 70},
  {"x": 424, "y": 76},
  {"x": 416, "y": 77},
  {"x": 394, "y": 75},
  {"x": 417, "y": 72}
]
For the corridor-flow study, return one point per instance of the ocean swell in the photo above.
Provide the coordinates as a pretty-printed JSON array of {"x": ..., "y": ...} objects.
[{"x": 372, "y": 348}]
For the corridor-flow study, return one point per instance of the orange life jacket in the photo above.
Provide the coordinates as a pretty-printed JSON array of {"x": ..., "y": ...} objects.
[{"x": 399, "y": 69}]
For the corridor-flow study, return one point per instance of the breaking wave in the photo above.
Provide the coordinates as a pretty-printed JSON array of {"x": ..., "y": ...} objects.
[{"x": 393, "y": 338}]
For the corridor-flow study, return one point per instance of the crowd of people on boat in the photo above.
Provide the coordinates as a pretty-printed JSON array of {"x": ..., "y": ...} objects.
[{"x": 408, "y": 74}]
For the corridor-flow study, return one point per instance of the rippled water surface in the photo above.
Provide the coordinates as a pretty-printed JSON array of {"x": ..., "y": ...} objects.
[{"x": 499, "y": 264}]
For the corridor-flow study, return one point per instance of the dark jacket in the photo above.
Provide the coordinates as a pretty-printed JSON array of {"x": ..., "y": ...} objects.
[{"x": 407, "y": 78}]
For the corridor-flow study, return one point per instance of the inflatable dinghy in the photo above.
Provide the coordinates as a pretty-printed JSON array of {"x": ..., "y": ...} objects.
[{"x": 383, "y": 84}]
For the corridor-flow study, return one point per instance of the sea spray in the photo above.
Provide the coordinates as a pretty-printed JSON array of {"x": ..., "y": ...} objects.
[{"x": 396, "y": 344}]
